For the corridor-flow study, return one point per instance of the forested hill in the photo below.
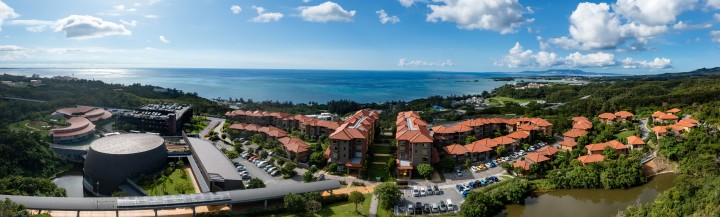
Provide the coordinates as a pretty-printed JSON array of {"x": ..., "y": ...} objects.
[
  {"x": 699, "y": 73},
  {"x": 65, "y": 93}
]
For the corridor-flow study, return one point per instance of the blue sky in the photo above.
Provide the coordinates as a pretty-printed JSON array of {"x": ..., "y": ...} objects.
[{"x": 627, "y": 36}]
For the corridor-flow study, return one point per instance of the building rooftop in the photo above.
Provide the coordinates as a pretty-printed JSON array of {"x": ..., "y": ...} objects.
[
  {"x": 158, "y": 111},
  {"x": 213, "y": 161},
  {"x": 127, "y": 143}
]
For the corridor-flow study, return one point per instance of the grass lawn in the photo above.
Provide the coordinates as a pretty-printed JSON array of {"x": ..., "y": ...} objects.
[
  {"x": 503, "y": 100},
  {"x": 378, "y": 170},
  {"x": 380, "y": 159},
  {"x": 339, "y": 209},
  {"x": 624, "y": 134},
  {"x": 380, "y": 149},
  {"x": 155, "y": 188}
]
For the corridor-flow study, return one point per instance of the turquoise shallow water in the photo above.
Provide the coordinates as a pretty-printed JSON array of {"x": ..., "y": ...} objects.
[{"x": 294, "y": 85}]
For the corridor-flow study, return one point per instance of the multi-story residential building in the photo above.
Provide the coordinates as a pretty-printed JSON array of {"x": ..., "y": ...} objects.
[
  {"x": 414, "y": 143},
  {"x": 166, "y": 119},
  {"x": 350, "y": 142}
]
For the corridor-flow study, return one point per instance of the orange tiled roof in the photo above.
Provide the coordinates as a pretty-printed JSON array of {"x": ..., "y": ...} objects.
[
  {"x": 601, "y": 146},
  {"x": 568, "y": 142},
  {"x": 476, "y": 147},
  {"x": 609, "y": 116},
  {"x": 580, "y": 119},
  {"x": 582, "y": 125},
  {"x": 684, "y": 124},
  {"x": 634, "y": 140},
  {"x": 548, "y": 151},
  {"x": 673, "y": 110},
  {"x": 456, "y": 149},
  {"x": 591, "y": 158},
  {"x": 520, "y": 134},
  {"x": 657, "y": 114},
  {"x": 295, "y": 145},
  {"x": 356, "y": 126},
  {"x": 575, "y": 133},
  {"x": 527, "y": 127},
  {"x": 504, "y": 140},
  {"x": 668, "y": 117},
  {"x": 536, "y": 157},
  {"x": 623, "y": 114},
  {"x": 690, "y": 120},
  {"x": 412, "y": 128},
  {"x": 660, "y": 129},
  {"x": 522, "y": 164},
  {"x": 490, "y": 143}
]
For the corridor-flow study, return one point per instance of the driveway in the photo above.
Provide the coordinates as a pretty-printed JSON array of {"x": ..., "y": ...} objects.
[
  {"x": 643, "y": 128},
  {"x": 211, "y": 126}
]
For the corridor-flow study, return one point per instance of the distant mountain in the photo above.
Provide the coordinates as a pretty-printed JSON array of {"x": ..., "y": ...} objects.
[
  {"x": 567, "y": 72},
  {"x": 698, "y": 73}
]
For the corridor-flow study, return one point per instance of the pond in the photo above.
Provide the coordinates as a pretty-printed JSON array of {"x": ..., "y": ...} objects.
[
  {"x": 71, "y": 181},
  {"x": 589, "y": 202}
]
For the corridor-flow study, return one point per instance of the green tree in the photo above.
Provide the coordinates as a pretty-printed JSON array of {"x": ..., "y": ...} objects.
[
  {"x": 425, "y": 170},
  {"x": 470, "y": 139},
  {"x": 308, "y": 176},
  {"x": 294, "y": 202},
  {"x": 501, "y": 151},
  {"x": 507, "y": 166},
  {"x": 356, "y": 198},
  {"x": 27, "y": 186},
  {"x": 388, "y": 193},
  {"x": 255, "y": 183},
  {"x": 9, "y": 208},
  {"x": 609, "y": 153},
  {"x": 446, "y": 164},
  {"x": 313, "y": 206}
]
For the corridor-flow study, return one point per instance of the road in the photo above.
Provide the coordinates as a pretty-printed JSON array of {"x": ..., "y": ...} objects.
[
  {"x": 211, "y": 126},
  {"x": 643, "y": 128}
]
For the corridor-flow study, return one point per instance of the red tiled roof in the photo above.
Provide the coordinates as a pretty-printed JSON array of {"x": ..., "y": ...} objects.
[
  {"x": 690, "y": 120},
  {"x": 476, "y": 147},
  {"x": 504, "y": 140},
  {"x": 660, "y": 129},
  {"x": 657, "y": 114},
  {"x": 490, "y": 143},
  {"x": 685, "y": 123},
  {"x": 541, "y": 122},
  {"x": 609, "y": 116},
  {"x": 568, "y": 142},
  {"x": 520, "y": 134},
  {"x": 591, "y": 158},
  {"x": 634, "y": 140},
  {"x": 601, "y": 146},
  {"x": 456, "y": 149},
  {"x": 548, "y": 151},
  {"x": 582, "y": 125},
  {"x": 580, "y": 119},
  {"x": 668, "y": 117},
  {"x": 411, "y": 128},
  {"x": 623, "y": 114},
  {"x": 276, "y": 132},
  {"x": 522, "y": 164},
  {"x": 527, "y": 127},
  {"x": 673, "y": 110},
  {"x": 295, "y": 145},
  {"x": 356, "y": 126},
  {"x": 239, "y": 126},
  {"x": 536, "y": 157},
  {"x": 575, "y": 133}
]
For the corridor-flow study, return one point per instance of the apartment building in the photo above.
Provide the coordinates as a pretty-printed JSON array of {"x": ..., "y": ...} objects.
[
  {"x": 350, "y": 142},
  {"x": 414, "y": 143}
]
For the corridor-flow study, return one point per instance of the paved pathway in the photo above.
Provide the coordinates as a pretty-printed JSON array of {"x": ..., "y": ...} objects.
[
  {"x": 644, "y": 128},
  {"x": 373, "y": 206},
  {"x": 381, "y": 155},
  {"x": 213, "y": 123}
]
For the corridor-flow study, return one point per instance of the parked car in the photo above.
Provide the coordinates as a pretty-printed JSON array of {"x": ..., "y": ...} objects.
[
  {"x": 460, "y": 188},
  {"x": 435, "y": 208},
  {"x": 422, "y": 192},
  {"x": 475, "y": 170},
  {"x": 458, "y": 172},
  {"x": 429, "y": 191},
  {"x": 443, "y": 206},
  {"x": 262, "y": 164},
  {"x": 267, "y": 167},
  {"x": 426, "y": 208},
  {"x": 418, "y": 208},
  {"x": 411, "y": 209},
  {"x": 437, "y": 190},
  {"x": 416, "y": 191},
  {"x": 488, "y": 165},
  {"x": 272, "y": 169},
  {"x": 450, "y": 205},
  {"x": 275, "y": 173},
  {"x": 246, "y": 177},
  {"x": 244, "y": 173}
]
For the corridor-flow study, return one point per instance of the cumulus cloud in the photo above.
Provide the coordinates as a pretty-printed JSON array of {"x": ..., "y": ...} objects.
[
  {"x": 715, "y": 36},
  {"x": 503, "y": 16},
  {"x": 714, "y": 3},
  {"x": 519, "y": 57},
  {"x": 406, "y": 63},
  {"x": 652, "y": 12},
  {"x": 85, "y": 27},
  {"x": 235, "y": 9},
  {"x": 6, "y": 12},
  {"x": 164, "y": 40},
  {"x": 326, "y": 12},
  {"x": 265, "y": 17},
  {"x": 12, "y": 52},
  {"x": 680, "y": 25},
  {"x": 594, "y": 26},
  {"x": 409, "y": 3},
  {"x": 385, "y": 18},
  {"x": 657, "y": 63},
  {"x": 132, "y": 23}
]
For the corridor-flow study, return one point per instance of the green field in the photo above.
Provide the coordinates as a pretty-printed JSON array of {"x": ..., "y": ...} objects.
[
  {"x": 624, "y": 134},
  {"x": 502, "y": 100},
  {"x": 340, "y": 209},
  {"x": 383, "y": 159},
  {"x": 380, "y": 149},
  {"x": 377, "y": 170},
  {"x": 172, "y": 184}
]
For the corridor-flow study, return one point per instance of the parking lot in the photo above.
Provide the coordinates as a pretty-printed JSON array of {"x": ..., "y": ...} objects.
[
  {"x": 256, "y": 172},
  {"x": 408, "y": 198}
]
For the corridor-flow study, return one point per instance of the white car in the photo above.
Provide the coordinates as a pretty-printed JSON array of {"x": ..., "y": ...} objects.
[
  {"x": 422, "y": 192},
  {"x": 450, "y": 205},
  {"x": 262, "y": 164},
  {"x": 416, "y": 191}
]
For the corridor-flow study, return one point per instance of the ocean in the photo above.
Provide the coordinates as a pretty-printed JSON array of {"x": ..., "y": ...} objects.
[{"x": 293, "y": 85}]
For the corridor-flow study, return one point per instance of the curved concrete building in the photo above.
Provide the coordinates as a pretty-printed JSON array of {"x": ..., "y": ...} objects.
[
  {"x": 80, "y": 129},
  {"x": 112, "y": 160}
]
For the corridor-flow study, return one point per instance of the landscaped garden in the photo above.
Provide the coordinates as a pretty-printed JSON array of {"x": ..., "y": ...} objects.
[{"x": 173, "y": 180}]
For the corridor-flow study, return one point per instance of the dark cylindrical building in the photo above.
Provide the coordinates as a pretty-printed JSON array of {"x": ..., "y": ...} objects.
[{"x": 112, "y": 160}]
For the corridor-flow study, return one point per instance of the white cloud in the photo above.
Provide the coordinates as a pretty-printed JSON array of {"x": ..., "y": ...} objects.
[
  {"x": 503, "y": 16},
  {"x": 657, "y": 63},
  {"x": 326, "y": 12},
  {"x": 118, "y": 10},
  {"x": 6, "y": 12},
  {"x": 265, "y": 17},
  {"x": 519, "y": 57},
  {"x": 714, "y": 3},
  {"x": 306, "y": 1},
  {"x": 32, "y": 25},
  {"x": 85, "y": 27},
  {"x": 12, "y": 52},
  {"x": 652, "y": 12},
  {"x": 410, "y": 3},
  {"x": 406, "y": 63},
  {"x": 680, "y": 25},
  {"x": 384, "y": 18},
  {"x": 152, "y": 16},
  {"x": 235, "y": 9},
  {"x": 593, "y": 26},
  {"x": 152, "y": 2},
  {"x": 715, "y": 36},
  {"x": 164, "y": 40},
  {"x": 717, "y": 17},
  {"x": 132, "y": 23}
]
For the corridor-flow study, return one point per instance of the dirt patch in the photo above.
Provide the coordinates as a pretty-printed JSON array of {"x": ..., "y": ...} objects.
[{"x": 656, "y": 166}]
